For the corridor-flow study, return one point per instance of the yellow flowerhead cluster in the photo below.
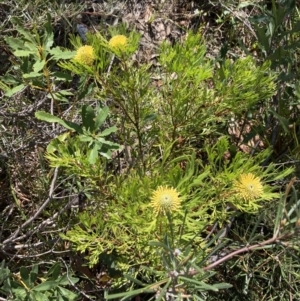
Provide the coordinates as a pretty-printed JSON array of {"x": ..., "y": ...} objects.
[
  {"x": 248, "y": 187},
  {"x": 85, "y": 55},
  {"x": 165, "y": 199},
  {"x": 118, "y": 42}
]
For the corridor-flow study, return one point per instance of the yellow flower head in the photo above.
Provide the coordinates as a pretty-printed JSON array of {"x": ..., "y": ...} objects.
[
  {"x": 85, "y": 55},
  {"x": 118, "y": 41},
  {"x": 248, "y": 187},
  {"x": 165, "y": 199}
]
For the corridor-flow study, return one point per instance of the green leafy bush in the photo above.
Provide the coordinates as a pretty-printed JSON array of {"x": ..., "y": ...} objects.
[
  {"x": 183, "y": 174},
  {"x": 30, "y": 285},
  {"x": 125, "y": 223}
]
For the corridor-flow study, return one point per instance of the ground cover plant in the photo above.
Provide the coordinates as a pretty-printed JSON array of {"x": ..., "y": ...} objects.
[{"x": 149, "y": 150}]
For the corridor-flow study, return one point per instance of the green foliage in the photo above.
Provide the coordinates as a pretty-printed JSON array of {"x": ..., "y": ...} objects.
[
  {"x": 188, "y": 105},
  {"x": 180, "y": 275},
  {"x": 88, "y": 134},
  {"x": 172, "y": 122},
  {"x": 242, "y": 84},
  {"x": 131, "y": 91},
  {"x": 125, "y": 223},
  {"x": 185, "y": 105},
  {"x": 277, "y": 41},
  {"x": 29, "y": 285},
  {"x": 36, "y": 57}
]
